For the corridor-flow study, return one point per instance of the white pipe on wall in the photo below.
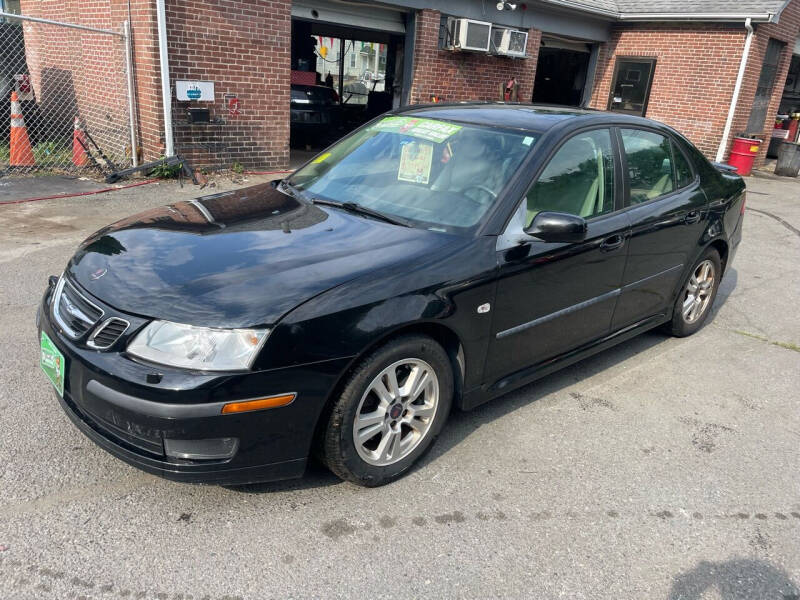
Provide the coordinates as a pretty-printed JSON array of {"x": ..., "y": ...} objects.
[
  {"x": 166, "y": 96},
  {"x": 723, "y": 144}
]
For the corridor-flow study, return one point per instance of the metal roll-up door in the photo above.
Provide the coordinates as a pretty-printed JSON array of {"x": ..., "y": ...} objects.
[{"x": 351, "y": 14}]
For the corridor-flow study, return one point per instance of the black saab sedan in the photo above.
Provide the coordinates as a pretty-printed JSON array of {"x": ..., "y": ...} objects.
[{"x": 438, "y": 256}]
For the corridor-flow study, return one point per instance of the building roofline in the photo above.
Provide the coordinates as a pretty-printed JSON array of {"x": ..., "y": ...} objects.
[
  {"x": 721, "y": 17},
  {"x": 780, "y": 12},
  {"x": 698, "y": 17},
  {"x": 582, "y": 8}
]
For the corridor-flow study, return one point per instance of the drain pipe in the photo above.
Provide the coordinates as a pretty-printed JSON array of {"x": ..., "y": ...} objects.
[
  {"x": 166, "y": 96},
  {"x": 723, "y": 144}
]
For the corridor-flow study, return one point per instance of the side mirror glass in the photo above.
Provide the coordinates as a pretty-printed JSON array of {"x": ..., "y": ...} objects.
[{"x": 557, "y": 227}]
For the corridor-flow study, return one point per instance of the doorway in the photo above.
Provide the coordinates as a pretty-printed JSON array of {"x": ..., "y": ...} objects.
[
  {"x": 561, "y": 71},
  {"x": 347, "y": 68},
  {"x": 766, "y": 85},
  {"x": 630, "y": 88}
]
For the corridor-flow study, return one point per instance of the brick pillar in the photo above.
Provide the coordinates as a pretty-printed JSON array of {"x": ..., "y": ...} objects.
[
  {"x": 456, "y": 76},
  {"x": 244, "y": 47}
]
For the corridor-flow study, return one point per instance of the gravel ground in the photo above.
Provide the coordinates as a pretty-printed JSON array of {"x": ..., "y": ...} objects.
[{"x": 663, "y": 468}]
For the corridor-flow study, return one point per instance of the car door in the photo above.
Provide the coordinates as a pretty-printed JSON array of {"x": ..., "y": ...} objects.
[
  {"x": 667, "y": 209},
  {"x": 552, "y": 297}
]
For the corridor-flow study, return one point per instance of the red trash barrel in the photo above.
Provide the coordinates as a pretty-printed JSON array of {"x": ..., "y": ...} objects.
[{"x": 743, "y": 154}]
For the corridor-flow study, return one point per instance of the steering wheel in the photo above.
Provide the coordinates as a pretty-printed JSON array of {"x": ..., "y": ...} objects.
[{"x": 482, "y": 188}]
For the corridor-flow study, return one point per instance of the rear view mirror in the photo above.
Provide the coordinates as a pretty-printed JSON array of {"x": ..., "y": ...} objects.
[{"x": 557, "y": 227}]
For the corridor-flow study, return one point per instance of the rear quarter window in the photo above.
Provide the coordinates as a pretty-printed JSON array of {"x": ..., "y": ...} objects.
[{"x": 683, "y": 170}]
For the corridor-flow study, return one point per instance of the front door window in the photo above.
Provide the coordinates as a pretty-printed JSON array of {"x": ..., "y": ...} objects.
[
  {"x": 630, "y": 90},
  {"x": 579, "y": 179}
]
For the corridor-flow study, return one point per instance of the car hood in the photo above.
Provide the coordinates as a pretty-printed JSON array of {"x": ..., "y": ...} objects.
[{"x": 237, "y": 259}]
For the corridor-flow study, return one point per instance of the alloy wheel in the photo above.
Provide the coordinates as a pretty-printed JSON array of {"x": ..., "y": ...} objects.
[
  {"x": 396, "y": 412},
  {"x": 698, "y": 291}
]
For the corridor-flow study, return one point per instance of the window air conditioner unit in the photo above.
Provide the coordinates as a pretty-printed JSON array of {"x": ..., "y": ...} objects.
[
  {"x": 509, "y": 42},
  {"x": 466, "y": 34}
]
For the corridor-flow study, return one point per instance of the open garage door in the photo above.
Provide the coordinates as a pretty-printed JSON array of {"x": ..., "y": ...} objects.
[
  {"x": 561, "y": 71},
  {"x": 350, "y": 14},
  {"x": 347, "y": 67}
]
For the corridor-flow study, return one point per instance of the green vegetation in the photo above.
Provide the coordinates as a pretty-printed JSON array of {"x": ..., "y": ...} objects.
[
  {"x": 52, "y": 154},
  {"x": 165, "y": 171},
  {"x": 237, "y": 167},
  {"x": 761, "y": 338},
  {"x": 5, "y": 152}
]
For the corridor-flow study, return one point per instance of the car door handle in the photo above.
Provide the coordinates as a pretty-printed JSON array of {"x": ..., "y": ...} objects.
[
  {"x": 612, "y": 243},
  {"x": 692, "y": 217}
]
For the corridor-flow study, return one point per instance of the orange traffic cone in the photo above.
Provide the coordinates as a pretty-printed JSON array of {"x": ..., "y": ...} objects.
[
  {"x": 21, "y": 153},
  {"x": 79, "y": 157}
]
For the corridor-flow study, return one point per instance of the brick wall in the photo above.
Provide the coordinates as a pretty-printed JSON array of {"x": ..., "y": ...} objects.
[
  {"x": 144, "y": 29},
  {"x": 696, "y": 67},
  {"x": 78, "y": 73},
  {"x": 786, "y": 30},
  {"x": 456, "y": 76},
  {"x": 696, "y": 71},
  {"x": 244, "y": 48}
]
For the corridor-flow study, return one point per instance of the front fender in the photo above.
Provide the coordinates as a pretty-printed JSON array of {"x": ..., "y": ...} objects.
[{"x": 345, "y": 321}]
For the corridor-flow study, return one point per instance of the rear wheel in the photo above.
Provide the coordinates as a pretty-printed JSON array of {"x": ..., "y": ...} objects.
[
  {"x": 390, "y": 411},
  {"x": 694, "y": 302}
]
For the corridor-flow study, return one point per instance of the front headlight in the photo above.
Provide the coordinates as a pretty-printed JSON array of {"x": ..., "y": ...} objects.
[{"x": 201, "y": 348}]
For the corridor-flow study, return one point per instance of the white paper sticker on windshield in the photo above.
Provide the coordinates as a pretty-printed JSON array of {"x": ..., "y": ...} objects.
[
  {"x": 528, "y": 140},
  {"x": 416, "y": 159}
]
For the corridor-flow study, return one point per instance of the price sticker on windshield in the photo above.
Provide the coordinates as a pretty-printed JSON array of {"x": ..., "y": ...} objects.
[{"x": 426, "y": 129}]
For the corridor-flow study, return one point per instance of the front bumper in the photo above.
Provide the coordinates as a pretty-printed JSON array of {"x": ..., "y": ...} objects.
[{"x": 116, "y": 402}]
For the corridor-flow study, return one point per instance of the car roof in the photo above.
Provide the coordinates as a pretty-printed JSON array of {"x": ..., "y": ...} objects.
[{"x": 536, "y": 118}]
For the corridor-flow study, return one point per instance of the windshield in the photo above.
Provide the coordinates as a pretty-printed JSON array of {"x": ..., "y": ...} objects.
[{"x": 436, "y": 174}]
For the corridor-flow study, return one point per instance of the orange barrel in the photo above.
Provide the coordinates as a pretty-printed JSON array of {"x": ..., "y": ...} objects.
[{"x": 743, "y": 154}]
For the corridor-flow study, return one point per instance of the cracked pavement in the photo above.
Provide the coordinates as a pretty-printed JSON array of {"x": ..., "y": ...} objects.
[{"x": 663, "y": 468}]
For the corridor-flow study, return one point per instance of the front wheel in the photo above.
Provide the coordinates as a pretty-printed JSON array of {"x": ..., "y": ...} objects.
[
  {"x": 390, "y": 411},
  {"x": 694, "y": 301}
]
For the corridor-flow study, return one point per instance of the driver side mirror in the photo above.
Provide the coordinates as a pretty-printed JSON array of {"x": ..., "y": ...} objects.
[{"x": 557, "y": 227}]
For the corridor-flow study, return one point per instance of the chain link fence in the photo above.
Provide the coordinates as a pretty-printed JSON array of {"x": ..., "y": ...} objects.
[{"x": 73, "y": 89}]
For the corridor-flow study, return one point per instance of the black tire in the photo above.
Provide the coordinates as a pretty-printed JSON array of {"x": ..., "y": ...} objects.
[
  {"x": 679, "y": 326},
  {"x": 339, "y": 452}
]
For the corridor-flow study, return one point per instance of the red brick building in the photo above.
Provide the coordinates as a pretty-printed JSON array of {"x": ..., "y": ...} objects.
[{"x": 675, "y": 61}]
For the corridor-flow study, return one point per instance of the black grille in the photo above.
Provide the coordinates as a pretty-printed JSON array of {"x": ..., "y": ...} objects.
[
  {"x": 108, "y": 333},
  {"x": 75, "y": 313}
]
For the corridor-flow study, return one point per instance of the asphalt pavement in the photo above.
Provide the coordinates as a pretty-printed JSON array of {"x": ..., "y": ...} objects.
[{"x": 663, "y": 468}]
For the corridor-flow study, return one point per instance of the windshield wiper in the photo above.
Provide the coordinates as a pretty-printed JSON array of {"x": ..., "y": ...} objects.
[{"x": 363, "y": 210}]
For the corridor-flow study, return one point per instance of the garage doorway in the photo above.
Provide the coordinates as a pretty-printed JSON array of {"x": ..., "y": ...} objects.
[
  {"x": 561, "y": 71},
  {"x": 348, "y": 66}
]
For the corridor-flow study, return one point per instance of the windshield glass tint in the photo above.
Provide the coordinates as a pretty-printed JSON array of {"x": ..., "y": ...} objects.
[{"x": 438, "y": 174}]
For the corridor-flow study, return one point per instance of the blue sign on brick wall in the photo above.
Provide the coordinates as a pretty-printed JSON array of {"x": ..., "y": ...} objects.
[{"x": 197, "y": 91}]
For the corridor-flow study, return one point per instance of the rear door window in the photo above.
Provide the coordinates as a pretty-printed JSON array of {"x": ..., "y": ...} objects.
[{"x": 651, "y": 171}]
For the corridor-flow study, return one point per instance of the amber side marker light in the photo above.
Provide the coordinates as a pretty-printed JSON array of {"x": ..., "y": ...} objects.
[{"x": 258, "y": 404}]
